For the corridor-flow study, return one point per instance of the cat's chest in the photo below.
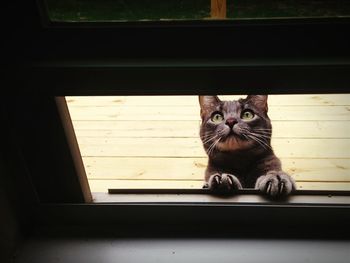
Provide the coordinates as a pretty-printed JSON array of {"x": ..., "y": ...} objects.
[{"x": 238, "y": 164}]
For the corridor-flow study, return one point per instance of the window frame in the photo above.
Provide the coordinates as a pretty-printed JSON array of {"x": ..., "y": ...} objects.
[
  {"x": 134, "y": 78},
  {"x": 193, "y": 77},
  {"x": 312, "y": 57}
]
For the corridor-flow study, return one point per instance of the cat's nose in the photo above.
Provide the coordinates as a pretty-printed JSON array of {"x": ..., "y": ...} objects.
[{"x": 230, "y": 122}]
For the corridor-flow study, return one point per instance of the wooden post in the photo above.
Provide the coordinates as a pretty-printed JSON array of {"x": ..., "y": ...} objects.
[
  {"x": 218, "y": 9},
  {"x": 74, "y": 148}
]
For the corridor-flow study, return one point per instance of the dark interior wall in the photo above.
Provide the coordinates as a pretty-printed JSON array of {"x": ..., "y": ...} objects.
[
  {"x": 9, "y": 230},
  {"x": 17, "y": 195},
  {"x": 9, "y": 225}
]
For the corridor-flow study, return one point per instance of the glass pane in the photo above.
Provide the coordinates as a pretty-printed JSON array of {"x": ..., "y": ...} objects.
[
  {"x": 135, "y": 10},
  {"x": 155, "y": 10},
  {"x": 154, "y": 141}
]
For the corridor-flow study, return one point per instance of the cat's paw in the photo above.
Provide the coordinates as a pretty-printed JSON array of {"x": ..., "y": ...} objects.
[
  {"x": 223, "y": 183},
  {"x": 275, "y": 184}
]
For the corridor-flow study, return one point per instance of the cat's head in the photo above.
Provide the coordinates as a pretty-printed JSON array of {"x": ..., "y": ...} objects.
[{"x": 235, "y": 125}]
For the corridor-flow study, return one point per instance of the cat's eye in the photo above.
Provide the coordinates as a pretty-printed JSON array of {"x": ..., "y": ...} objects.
[
  {"x": 247, "y": 115},
  {"x": 217, "y": 117}
]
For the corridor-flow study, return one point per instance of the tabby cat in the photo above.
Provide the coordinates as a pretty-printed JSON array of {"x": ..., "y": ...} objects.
[{"x": 236, "y": 136}]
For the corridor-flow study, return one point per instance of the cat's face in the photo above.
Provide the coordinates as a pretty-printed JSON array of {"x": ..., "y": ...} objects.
[{"x": 234, "y": 125}]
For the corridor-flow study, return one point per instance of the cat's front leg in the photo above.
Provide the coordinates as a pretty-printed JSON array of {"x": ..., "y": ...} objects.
[
  {"x": 275, "y": 184},
  {"x": 223, "y": 183}
]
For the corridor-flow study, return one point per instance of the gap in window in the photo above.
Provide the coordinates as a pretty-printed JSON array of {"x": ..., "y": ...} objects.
[{"x": 153, "y": 142}]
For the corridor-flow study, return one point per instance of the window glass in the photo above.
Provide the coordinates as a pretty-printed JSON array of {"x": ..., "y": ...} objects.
[
  {"x": 155, "y": 10},
  {"x": 129, "y": 142}
]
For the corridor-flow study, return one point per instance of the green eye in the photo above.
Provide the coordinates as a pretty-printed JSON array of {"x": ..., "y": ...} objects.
[
  {"x": 247, "y": 115},
  {"x": 217, "y": 118}
]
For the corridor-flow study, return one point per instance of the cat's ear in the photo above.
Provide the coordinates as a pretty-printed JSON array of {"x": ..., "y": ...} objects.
[
  {"x": 208, "y": 104},
  {"x": 260, "y": 101}
]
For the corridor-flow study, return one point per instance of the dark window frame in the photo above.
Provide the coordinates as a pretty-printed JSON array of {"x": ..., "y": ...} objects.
[
  {"x": 309, "y": 57},
  {"x": 134, "y": 78}
]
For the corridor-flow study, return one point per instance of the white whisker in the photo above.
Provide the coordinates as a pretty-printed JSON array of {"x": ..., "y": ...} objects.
[
  {"x": 207, "y": 135},
  {"x": 263, "y": 129},
  {"x": 262, "y": 132},
  {"x": 210, "y": 139},
  {"x": 260, "y": 138},
  {"x": 257, "y": 133},
  {"x": 212, "y": 146},
  {"x": 260, "y": 141},
  {"x": 260, "y": 135}
]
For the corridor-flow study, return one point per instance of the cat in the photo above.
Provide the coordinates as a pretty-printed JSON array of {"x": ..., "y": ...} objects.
[{"x": 236, "y": 136}]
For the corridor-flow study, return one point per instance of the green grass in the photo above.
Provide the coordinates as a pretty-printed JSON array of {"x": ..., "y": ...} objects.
[
  {"x": 136, "y": 10},
  {"x": 129, "y": 10},
  {"x": 287, "y": 8}
]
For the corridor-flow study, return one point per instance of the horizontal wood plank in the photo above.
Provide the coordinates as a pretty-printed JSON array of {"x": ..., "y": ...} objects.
[
  {"x": 183, "y": 169},
  {"x": 190, "y": 129},
  {"x": 156, "y": 113},
  {"x": 189, "y": 147},
  {"x": 104, "y": 185},
  {"x": 336, "y": 186},
  {"x": 312, "y": 99}
]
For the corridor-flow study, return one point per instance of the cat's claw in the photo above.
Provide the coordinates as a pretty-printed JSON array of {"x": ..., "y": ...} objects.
[
  {"x": 281, "y": 188},
  {"x": 270, "y": 186},
  {"x": 223, "y": 183},
  {"x": 275, "y": 184},
  {"x": 217, "y": 179}
]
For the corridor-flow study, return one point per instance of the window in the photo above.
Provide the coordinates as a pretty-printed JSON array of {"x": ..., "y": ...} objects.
[
  {"x": 291, "y": 58},
  {"x": 92, "y": 62},
  {"x": 152, "y": 142}
]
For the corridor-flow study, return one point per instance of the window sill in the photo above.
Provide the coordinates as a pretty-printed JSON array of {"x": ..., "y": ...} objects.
[
  {"x": 202, "y": 196},
  {"x": 311, "y": 215},
  {"x": 83, "y": 249}
]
